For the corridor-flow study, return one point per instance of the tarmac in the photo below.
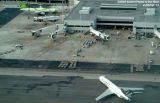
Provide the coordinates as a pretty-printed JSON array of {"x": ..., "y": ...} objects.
[
  {"x": 52, "y": 89},
  {"x": 85, "y": 74},
  {"x": 118, "y": 49},
  {"x": 78, "y": 66},
  {"x": 34, "y": 85}
]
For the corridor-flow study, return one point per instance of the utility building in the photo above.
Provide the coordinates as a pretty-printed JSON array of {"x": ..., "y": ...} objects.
[{"x": 108, "y": 13}]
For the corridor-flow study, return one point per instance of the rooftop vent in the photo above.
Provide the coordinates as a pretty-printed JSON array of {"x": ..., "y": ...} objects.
[
  {"x": 85, "y": 10},
  {"x": 150, "y": 11},
  {"x": 118, "y": 6}
]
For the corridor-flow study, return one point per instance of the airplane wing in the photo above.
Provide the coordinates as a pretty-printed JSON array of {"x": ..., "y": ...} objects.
[
  {"x": 132, "y": 89},
  {"x": 104, "y": 94}
]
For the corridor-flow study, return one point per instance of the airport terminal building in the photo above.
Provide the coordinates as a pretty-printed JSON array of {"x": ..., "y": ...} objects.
[{"x": 108, "y": 13}]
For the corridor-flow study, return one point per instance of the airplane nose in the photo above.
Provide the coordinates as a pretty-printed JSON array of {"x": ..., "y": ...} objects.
[
  {"x": 129, "y": 99},
  {"x": 101, "y": 77}
]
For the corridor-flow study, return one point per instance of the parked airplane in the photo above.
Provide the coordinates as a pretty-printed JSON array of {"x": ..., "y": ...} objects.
[
  {"x": 122, "y": 92},
  {"x": 99, "y": 34},
  {"x": 41, "y": 10}
]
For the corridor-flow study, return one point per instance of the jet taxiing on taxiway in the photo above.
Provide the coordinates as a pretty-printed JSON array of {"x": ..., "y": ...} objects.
[{"x": 122, "y": 92}]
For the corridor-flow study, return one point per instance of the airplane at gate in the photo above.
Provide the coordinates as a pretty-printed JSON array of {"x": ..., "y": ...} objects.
[{"x": 122, "y": 92}]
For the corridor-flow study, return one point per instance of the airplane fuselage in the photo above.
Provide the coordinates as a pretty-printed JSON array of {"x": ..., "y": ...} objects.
[
  {"x": 116, "y": 90},
  {"x": 39, "y": 9}
]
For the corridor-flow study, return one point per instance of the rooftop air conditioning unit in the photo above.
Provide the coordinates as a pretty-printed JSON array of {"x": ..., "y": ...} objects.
[
  {"x": 150, "y": 11},
  {"x": 85, "y": 10}
]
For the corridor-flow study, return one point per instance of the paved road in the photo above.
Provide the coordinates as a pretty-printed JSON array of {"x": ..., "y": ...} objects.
[
  {"x": 86, "y": 75},
  {"x": 51, "y": 89},
  {"x": 68, "y": 65},
  {"x": 7, "y": 14}
]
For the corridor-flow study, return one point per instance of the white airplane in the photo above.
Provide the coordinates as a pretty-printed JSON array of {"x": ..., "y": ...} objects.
[
  {"x": 122, "y": 92},
  {"x": 99, "y": 34}
]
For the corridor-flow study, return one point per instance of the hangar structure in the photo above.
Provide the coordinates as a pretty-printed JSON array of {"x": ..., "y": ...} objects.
[{"x": 108, "y": 13}]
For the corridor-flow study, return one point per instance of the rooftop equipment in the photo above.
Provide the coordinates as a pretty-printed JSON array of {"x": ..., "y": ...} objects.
[
  {"x": 118, "y": 6},
  {"x": 150, "y": 11},
  {"x": 85, "y": 10}
]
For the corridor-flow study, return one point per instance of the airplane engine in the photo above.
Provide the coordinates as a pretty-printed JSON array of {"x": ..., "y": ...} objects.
[{"x": 129, "y": 93}]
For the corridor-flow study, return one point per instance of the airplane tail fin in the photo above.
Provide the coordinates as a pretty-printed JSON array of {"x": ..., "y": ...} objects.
[{"x": 21, "y": 4}]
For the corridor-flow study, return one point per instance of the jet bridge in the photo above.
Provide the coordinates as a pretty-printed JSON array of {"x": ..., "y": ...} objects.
[
  {"x": 45, "y": 30},
  {"x": 46, "y": 18},
  {"x": 99, "y": 34},
  {"x": 61, "y": 29}
]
